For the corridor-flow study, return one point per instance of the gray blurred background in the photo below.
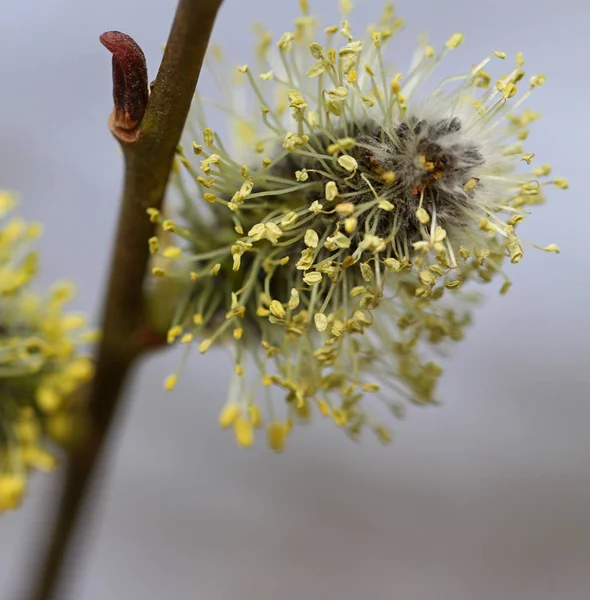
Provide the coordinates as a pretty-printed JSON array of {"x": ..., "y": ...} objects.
[{"x": 484, "y": 498}]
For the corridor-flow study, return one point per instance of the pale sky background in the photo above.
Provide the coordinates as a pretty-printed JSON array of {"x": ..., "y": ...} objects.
[{"x": 484, "y": 498}]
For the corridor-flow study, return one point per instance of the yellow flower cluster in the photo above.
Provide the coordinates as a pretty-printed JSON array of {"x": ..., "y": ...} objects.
[
  {"x": 40, "y": 367},
  {"x": 331, "y": 255}
]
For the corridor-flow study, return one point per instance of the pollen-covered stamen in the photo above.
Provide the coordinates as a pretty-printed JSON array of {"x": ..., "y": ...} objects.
[
  {"x": 433, "y": 166},
  {"x": 40, "y": 368},
  {"x": 329, "y": 252},
  {"x": 423, "y": 166}
]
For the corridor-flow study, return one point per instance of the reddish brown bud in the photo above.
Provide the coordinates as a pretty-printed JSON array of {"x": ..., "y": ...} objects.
[{"x": 130, "y": 82}]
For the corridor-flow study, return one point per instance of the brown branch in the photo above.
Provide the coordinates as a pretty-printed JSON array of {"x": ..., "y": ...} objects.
[{"x": 148, "y": 153}]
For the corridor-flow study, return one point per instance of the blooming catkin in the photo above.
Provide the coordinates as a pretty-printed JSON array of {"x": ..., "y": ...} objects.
[
  {"x": 40, "y": 367},
  {"x": 329, "y": 244}
]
